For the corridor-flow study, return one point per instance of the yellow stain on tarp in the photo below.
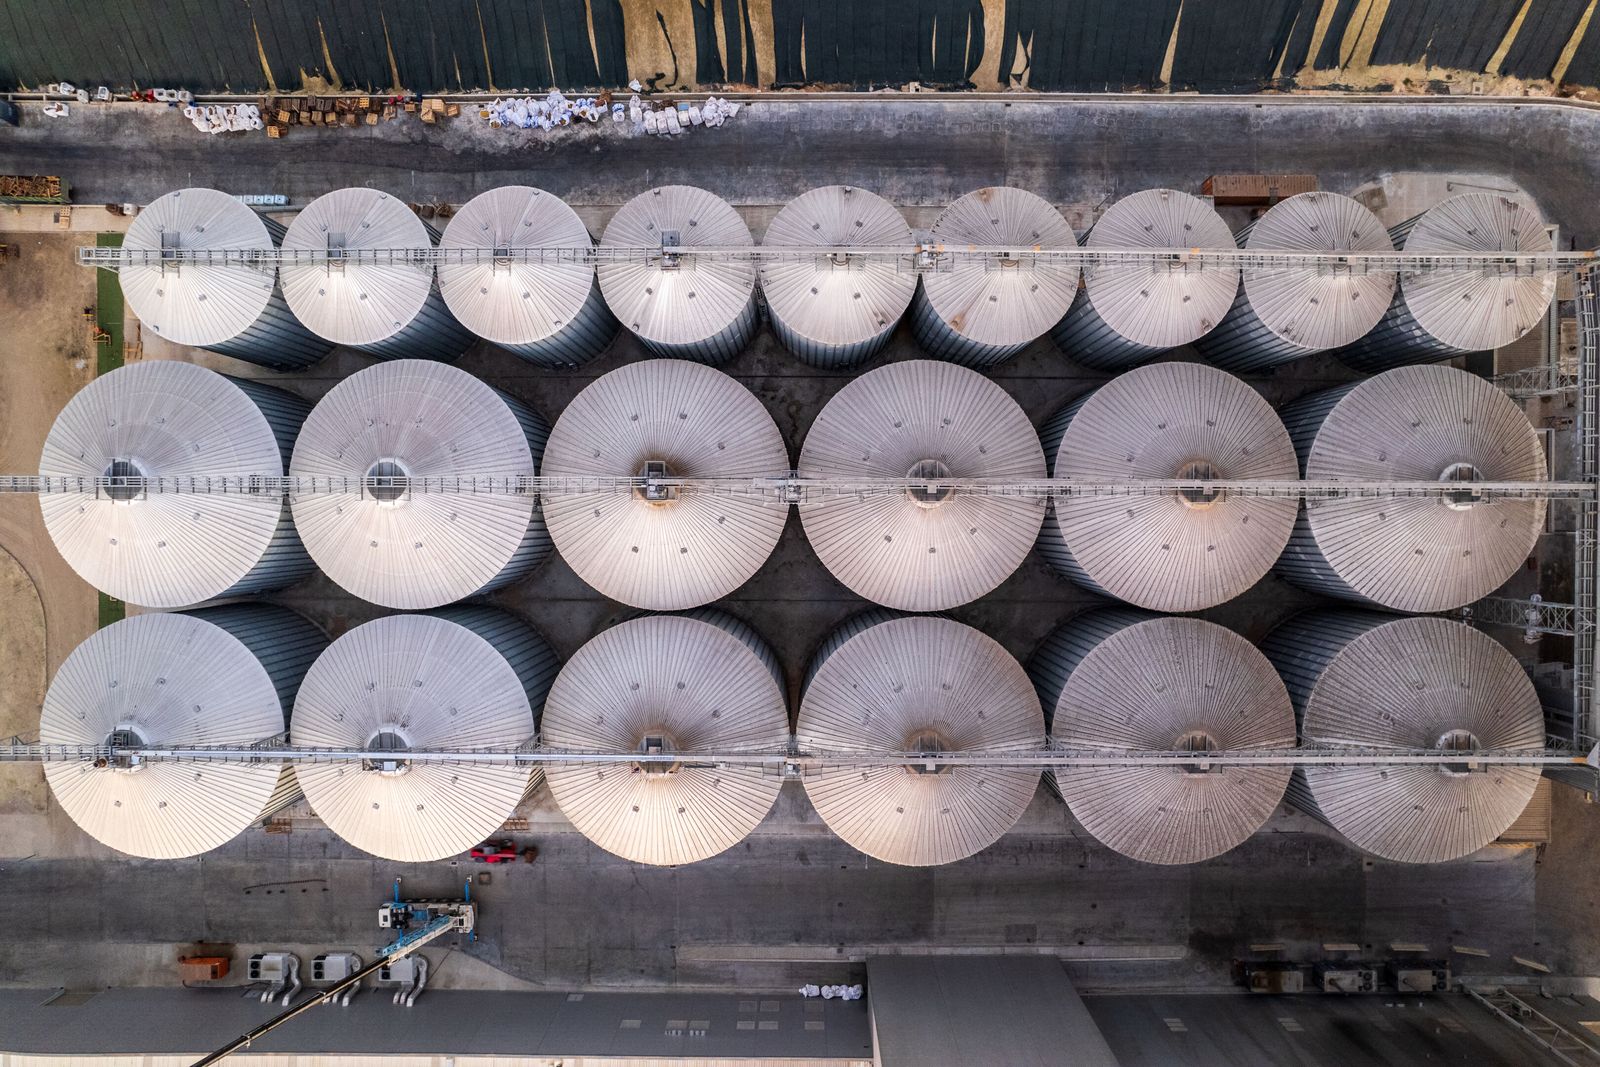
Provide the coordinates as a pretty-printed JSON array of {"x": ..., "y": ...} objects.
[
  {"x": 1499, "y": 57},
  {"x": 327, "y": 58},
  {"x": 1319, "y": 33},
  {"x": 483, "y": 40},
  {"x": 1361, "y": 34},
  {"x": 1167, "y": 61},
  {"x": 388, "y": 50},
  {"x": 1559, "y": 73},
  {"x": 261, "y": 54}
]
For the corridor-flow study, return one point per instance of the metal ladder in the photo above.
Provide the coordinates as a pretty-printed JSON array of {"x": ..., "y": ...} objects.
[{"x": 1544, "y": 1031}]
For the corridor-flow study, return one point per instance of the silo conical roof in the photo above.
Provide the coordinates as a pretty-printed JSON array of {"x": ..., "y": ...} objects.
[
  {"x": 1121, "y": 679},
  {"x": 1421, "y": 423},
  {"x": 1443, "y": 313},
  {"x": 1285, "y": 312},
  {"x": 548, "y": 310},
  {"x": 701, "y": 682},
  {"x": 1170, "y": 552},
  {"x": 176, "y": 421},
  {"x": 229, "y": 307},
  {"x": 420, "y": 682},
  {"x": 837, "y": 310},
  {"x": 222, "y": 677},
  {"x": 918, "y": 684},
  {"x": 388, "y": 307},
  {"x": 1372, "y": 680},
  {"x": 983, "y": 313},
  {"x": 697, "y": 307},
  {"x": 1128, "y": 312},
  {"x": 419, "y": 547},
  {"x": 673, "y": 553},
  {"x": 916, "y": 550}
]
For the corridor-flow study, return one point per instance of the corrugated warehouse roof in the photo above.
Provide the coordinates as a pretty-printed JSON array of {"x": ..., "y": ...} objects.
[
  {"x": 677, "y": 552},
  {"x": 219, "y": 676},
  {"x": 1368, "y": 679},
  {"x": 1121, "y": 679},
  {"x": 405, "y": 548},
  {"x": 1419, "y": 553},
  {"x": 172, "y": 420},
  {"x": 701, "y": 682},
  {"x": 1179, "y": 552},
  {"x": 921, "y": 550},
  {"x": 883, "y": 683}
]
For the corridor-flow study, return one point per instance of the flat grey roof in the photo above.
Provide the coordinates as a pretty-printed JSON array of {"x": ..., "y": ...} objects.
[
  {"x": 999, "y": 1011},
  {"x": 443, "y": 1022}
]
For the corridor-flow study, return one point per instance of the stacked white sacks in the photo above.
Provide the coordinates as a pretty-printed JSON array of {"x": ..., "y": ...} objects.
[
  {"x": 216, "y": 118},
  {"x": 546, "y": 113}
]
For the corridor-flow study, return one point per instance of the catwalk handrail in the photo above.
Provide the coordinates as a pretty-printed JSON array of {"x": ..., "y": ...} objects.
[
  {"x": 802, "y": 759},
  {"x": 918, "y": 257},
  {"x": 789, "y": 488}
]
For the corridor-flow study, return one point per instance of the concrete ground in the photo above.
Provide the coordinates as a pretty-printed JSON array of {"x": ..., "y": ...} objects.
[{"x": 793, "y": 903}]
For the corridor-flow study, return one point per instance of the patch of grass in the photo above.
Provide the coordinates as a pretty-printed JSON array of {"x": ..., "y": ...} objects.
[
  {"x": 108, "y": 316},
  {"x": 111, "y": 610}
]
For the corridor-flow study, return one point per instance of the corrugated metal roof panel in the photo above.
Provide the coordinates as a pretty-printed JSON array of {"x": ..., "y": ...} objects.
[
  {"x": 419, "y": 419},
  {"x": 549, "y": 312},
  {"x": 668, "y": 554},
  {"x": 1413, "y": 554},
  {"x": 836, "y": 312},
  {"x": 221, "y": 676},
  {"x": 167, "y": 419},
  {"x": 911, "y": 550},
  {"x": 703, "y": 308},
  {"x": 683, "y": 683},
  {"x": 419, "y": 681},
  {"x": 1125, "y": 679},
  {"x": 919, "y": 683},
  {"x": 1364, "y": 678},
  {"x": 1169, "y": 553},
  {"x": 1127, "y": 313}
]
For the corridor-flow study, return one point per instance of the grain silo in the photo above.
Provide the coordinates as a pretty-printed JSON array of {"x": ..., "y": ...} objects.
[
  {"x": 185, "y": 541},
  {"x": 1119, "y": 679},
  {"x": 838, "y": 309},
  {"x": 401, "y": 546},
  {"x": 701, "y": 308},
  {"x": 365, "y": 293},
  {"x": 1180, "y": 551},
  {"x": 701, "y": 682},
  {"x": 1285, "y": 312},
  {"x": 664, "y": 548},
  {"x": 470, "y": 678},
  {"x": 980, "y": 311},
  {"x": 222, "y": 677},
  {"x": 222, "y": 300},
  {"x": 1449, "y": 312},
  {"x": 1365, "y": 679},
  {"x": 928, "y": 547},
  {"x": 1127, "y": 312},
  {"x": 923, "y": 684},
  {"x": 545, "y": 308},
  {"x": 1422, "y": 553}
]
